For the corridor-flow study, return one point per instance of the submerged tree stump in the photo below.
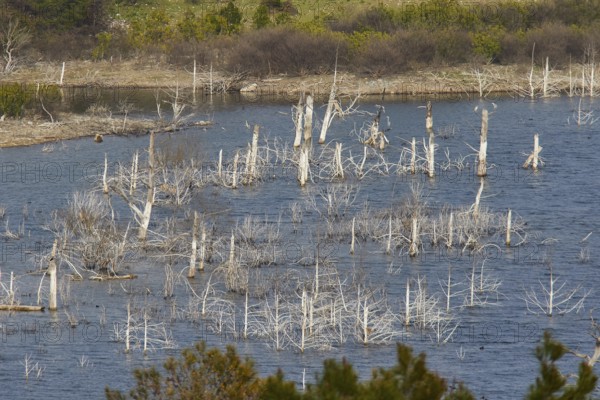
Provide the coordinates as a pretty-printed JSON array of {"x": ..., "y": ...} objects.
[{"x": 481, "y": 159}]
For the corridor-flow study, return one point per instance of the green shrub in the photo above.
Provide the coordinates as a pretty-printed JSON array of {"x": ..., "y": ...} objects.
[
  {"x": 203, "y": 373},
  {"x": 101, "y": 49},
  {"x": 261, "y": 17},
  {"x": 13, "y": 98},
  {"x": 487, "y": 43}
]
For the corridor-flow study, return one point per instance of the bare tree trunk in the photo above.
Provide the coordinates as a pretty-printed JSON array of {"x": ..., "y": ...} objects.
[
  {"x": 194, "y": 79},
  {"x": 220, "y": 166},
  {"x": 330, "y": 104},
  {"x": 145, "y": 220},
  {"x": 134, "y": 173},
  {"x": 104, "y": 175},
  {"x": 202, "y": 248},
  {"x": 303, "y": 167},
  {"x": 533, "y": 158},
  {"x": 53, "y": 272},
  {"x": 407, "y": 303},
  {"x": 308, "y": 117},
  {"x": 482, "y": 166},
  {"x": 235, "y": 167},
  {"x": 192, "y": 268},
  {"x": 388, "y": 249},
  {"x": 299, "y": 121},
  {"x": 413, "y": 250},
  {"x": 365, "y": 323},
  {"x": 413, "y": 156},
  {"x": 353, "y": 237},
  {"x": 339, "y": 167},
  {"x": 450, "y": 230},
  {"x": 477, "y": 200},
  {"x": 254, "y": 153},
  {"x": 429, "y": 118},
  {"x": 508, "y": 227},
  {"x": 431, "y": 157}
]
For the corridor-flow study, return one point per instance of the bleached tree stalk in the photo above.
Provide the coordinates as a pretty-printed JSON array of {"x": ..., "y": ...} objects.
[
  {"x": 299, "y": 121},
  {"x": 232, "y": 249},
  {"x": 546, "y": 79},
  {"x": 388, "y": 248},
  {"x": 353, "y": 237},
  {"x": 413, "y": 249},
  {"x": 235, "y": 168},
  {"x": 304, "y": 318},
  {"x": 246, "y": 317},
  {"x": 316, "y": 291},
  {"x": 449, "y": 289},
  {"x": 105, "y": 175},
  {"x": 508, "y": 226},
  {"x": 477, "y": 200},
  {"x": 145, "y": 220},
  {"x": 145, "y": 331},
  {"x": 303, "y": 167},
  {"x": 365, "y": 323},
  {"x": 202, "y": 249},
  {"x": 534, "y": 157},
  {"x": 429, "y": 118},
  {"x": 413, "y": 156},
  {"x": 339, "y": 167},
  {"x": 194, "y": 78},
  {"x": 407, "y": 303},
  {"x": 134, "y": 173},
  {"x": 431, "y": 157},
  {"x": 330, "y": 104},
  {"x": 308, "y": 119},
  {"x": 128, "y": 328},
  {"x": 220, "y": 165},
  {"x": 254, "y": 152},
  {"x": 53, "y": 274},
  {"x": 193, "y": 256},
  {"x": 450, "y": 230},
  {"x": 481, "y": 159},
  {"x": 277, "y": 328},
  {"x": 62, "y": 74}
]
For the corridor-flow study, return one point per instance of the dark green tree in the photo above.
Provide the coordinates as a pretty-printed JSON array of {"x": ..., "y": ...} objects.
[
  {"x": 552, "y": 384},
  {"x": 261, "y": 17}
]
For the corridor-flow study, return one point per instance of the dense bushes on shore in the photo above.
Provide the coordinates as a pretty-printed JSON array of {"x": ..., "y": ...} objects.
[
  {"x": 273, "y": 37},
  {"x": 203, "y": 373}
]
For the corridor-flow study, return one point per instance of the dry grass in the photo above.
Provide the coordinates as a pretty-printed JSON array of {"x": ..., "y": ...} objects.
[{"x": 70, "y": 126}]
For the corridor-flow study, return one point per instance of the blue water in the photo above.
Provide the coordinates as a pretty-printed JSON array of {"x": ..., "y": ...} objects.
[{"x": 495, "y": 342}]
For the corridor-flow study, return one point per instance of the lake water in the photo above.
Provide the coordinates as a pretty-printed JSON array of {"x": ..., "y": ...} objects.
[{"x": 492, "y": 347}]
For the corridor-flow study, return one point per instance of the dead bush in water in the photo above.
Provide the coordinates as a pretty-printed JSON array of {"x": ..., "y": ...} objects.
[{"x": 89, "y": 236}]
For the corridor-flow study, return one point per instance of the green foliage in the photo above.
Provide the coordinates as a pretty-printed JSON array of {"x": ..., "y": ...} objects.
[
  {"x": 360, "y": 39},
  {"x": 104, "y": 39},
  {"x": 550, "y": 383},
  {"x": 261, "y": 18},
  {"x": 13, "y": 98},
  {"x": 199, "y": 373},
  {"x": 274, "y": 387},
  {"x": 211, "y": 374},
  {"x": 153, "y": 30},
  {"x": 487, "y": 43},
  {"x": 190, "y": 28},
  {"x": 338, "y": 381},
  {"x": 226, "y": 21},
  {"x": 62, "y": 15}
]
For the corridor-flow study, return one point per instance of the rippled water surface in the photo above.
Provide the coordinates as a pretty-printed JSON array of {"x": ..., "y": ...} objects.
[{"x": 492, "y": 347}]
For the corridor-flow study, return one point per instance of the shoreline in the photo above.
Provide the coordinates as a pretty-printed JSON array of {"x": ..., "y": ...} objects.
[{"x": 468, "y": 80}]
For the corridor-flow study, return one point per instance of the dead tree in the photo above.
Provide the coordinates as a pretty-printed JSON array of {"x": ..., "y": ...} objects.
[
  {"x": 142, "y": 216},
  {"x": 481, "y": 159},
  {"x": 12, "y": 39}
]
